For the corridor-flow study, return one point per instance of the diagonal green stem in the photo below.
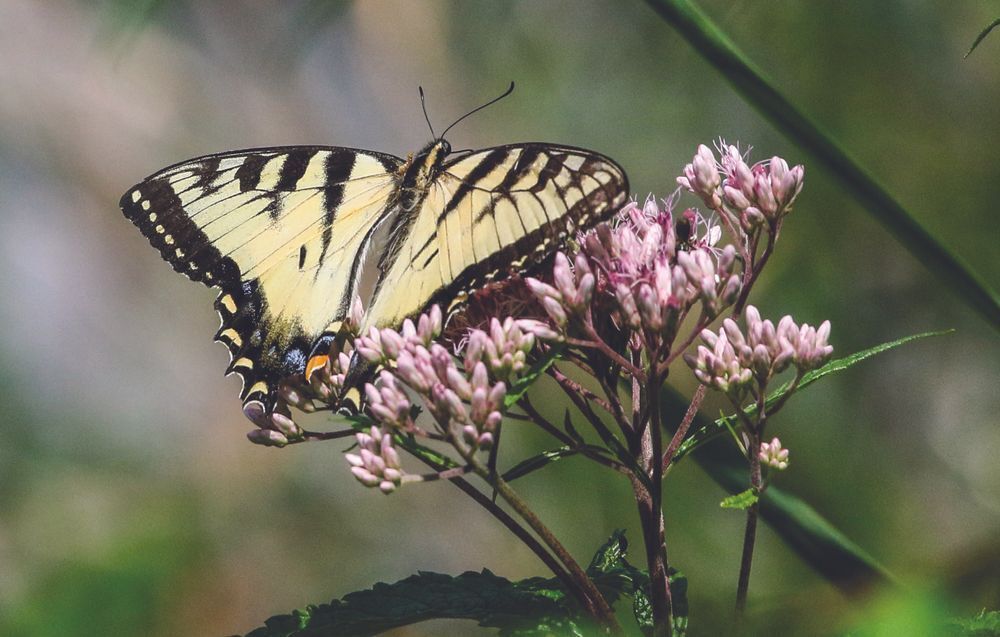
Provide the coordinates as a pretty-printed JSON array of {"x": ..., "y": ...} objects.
[{"x": 702, "y": 34}]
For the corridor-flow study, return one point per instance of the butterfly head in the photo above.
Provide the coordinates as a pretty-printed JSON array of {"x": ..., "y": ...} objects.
[{"x": 426, "y": 165}]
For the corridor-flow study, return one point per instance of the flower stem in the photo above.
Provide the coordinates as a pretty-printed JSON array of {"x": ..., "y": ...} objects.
[
  {"x": 512, "y": 525},
  {"x": 682, "y": 429},
  {"x": 750, "y": 533},
  {"x": 650, "y": 503},
  {"x": 592, "y": 600}
]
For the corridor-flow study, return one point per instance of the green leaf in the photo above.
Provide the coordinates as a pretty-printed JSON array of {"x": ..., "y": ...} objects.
[
  {"x": 545, "y": 458},
  {"x": 743, "y": 500},
  {"x": 517, "y": 609},
  {"x": 711, "y": 429},
  {"x": 713, "y": 44},
  {"x": 614, "y": 576},
  {"x": 982, "y": 36},
  {"x": 520, "y": 386},
  {"x": 434, "y": 459}
]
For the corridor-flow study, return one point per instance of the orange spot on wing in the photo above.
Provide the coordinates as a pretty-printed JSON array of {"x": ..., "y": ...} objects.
[{"x": 315, "y": 363}]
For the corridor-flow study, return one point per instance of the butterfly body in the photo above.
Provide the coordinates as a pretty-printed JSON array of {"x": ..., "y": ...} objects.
[{"x": 291, "y": 235}]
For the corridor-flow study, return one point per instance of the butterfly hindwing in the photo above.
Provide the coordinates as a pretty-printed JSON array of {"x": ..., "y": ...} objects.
[
  {"x": 488, "y": 212},
  {"x": 280, "y": 231}
]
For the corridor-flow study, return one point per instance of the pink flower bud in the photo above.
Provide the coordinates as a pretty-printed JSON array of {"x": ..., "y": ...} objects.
[
  {"x": 539, "y": 330},
  {"x": 267, "y": 438},
  {"x": 627, "y": 307},
  {"x": 282, "y": 423},
  {"x": 541, "y": 290},
  {"x": 555, "y": 311},
  {"x": 773, "y": 455}
]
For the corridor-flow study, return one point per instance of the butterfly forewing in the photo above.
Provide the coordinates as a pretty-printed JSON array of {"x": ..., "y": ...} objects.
[
  {"x": 278, "y": 231},
  {"x": 490, "y": 212},
  {"x": 292, "y": 235}
]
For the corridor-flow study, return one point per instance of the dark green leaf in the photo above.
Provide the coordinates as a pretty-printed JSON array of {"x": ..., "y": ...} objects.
[
  {"x": 520, "y": 387},
  {"x": 436, "y": 460},
  {"x": 982, "y": 36},
  {"x": 743, "y": 500},
  {"x": 611, "y": 554},
  {"x": 520, "y": 609},
  {"x": 710, "y": 429},
  {"x": 614, "y": 576},
  {"x": 545, "y": 458},
  {"x": 713, "y": 44},
  {"x": 360, "y": 422}
]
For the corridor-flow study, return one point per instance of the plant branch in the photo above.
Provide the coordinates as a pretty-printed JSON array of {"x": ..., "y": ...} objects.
[
  {"x": 750, "y": 532},
  {"x": 682, "y": 428},
  {"x": 593, "y": 600},
  {"x": 653, "y": 531},
  {"x": 567, "y": 440}
]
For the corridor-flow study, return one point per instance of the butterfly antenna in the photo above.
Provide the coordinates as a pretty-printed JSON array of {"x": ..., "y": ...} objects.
[
  {"x": 510, "y": 89},
  {"x": 423, "y": 105}
]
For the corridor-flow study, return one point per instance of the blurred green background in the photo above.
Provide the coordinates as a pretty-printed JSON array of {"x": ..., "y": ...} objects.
[{"x": 130, "y": 501}]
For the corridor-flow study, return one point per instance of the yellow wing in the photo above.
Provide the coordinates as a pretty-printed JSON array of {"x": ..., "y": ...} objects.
[
  {"x": 283, "y": 232},
  {"x": 489, "y": 212}
]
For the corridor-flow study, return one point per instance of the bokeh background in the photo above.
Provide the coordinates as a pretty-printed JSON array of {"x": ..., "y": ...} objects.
[{"x": 130, "y": 501}]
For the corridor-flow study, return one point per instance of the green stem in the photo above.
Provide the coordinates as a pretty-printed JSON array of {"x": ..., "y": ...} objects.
[
  {"x": 601, "y": 610},
  {"x": 512, "y": 525},
  {"x": 750, "y": 533}
]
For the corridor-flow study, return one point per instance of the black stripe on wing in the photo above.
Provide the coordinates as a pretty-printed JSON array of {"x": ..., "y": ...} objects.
[
  {"x": 262, "y": 352},
  {"x": 531, "y": 249}
]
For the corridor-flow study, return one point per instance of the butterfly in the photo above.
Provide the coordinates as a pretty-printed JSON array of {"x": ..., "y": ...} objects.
[{"x": 291, "y": 235}]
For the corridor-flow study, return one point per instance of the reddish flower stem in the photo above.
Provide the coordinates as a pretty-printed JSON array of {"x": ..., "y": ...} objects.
[
  {"x": 650, "y": 503},
  {"x": 592, "y": 599},
  {"x": 750, "y": 532},
  {"x": 682, "y": 429}
]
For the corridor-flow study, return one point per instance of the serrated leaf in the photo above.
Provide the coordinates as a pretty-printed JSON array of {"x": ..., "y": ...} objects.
[
  {"x": 520, "y": 387},
  {"x": 743, "y": 500},
  {"x": 493, "y": 601},
  {"x": 614, "y": 576},
  {"x": 709, "y": 430},
  {"x": 610, "y": 555}
]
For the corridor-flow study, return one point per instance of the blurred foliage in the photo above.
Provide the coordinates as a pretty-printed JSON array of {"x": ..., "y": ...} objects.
[{"x": 129, "y": 502}]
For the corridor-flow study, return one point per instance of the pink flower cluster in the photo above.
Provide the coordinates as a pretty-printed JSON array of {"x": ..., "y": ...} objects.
[
  {"x": 731, "y": 360},
  {"x": 377, "y": 463},
  {"x": 650, "y": 281},
  {"x": 750, "y": 195},
  {"x": 465, "y": 396},
  {"x": 503, "y": 349},
  {"x": 774, "y": 455}
]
